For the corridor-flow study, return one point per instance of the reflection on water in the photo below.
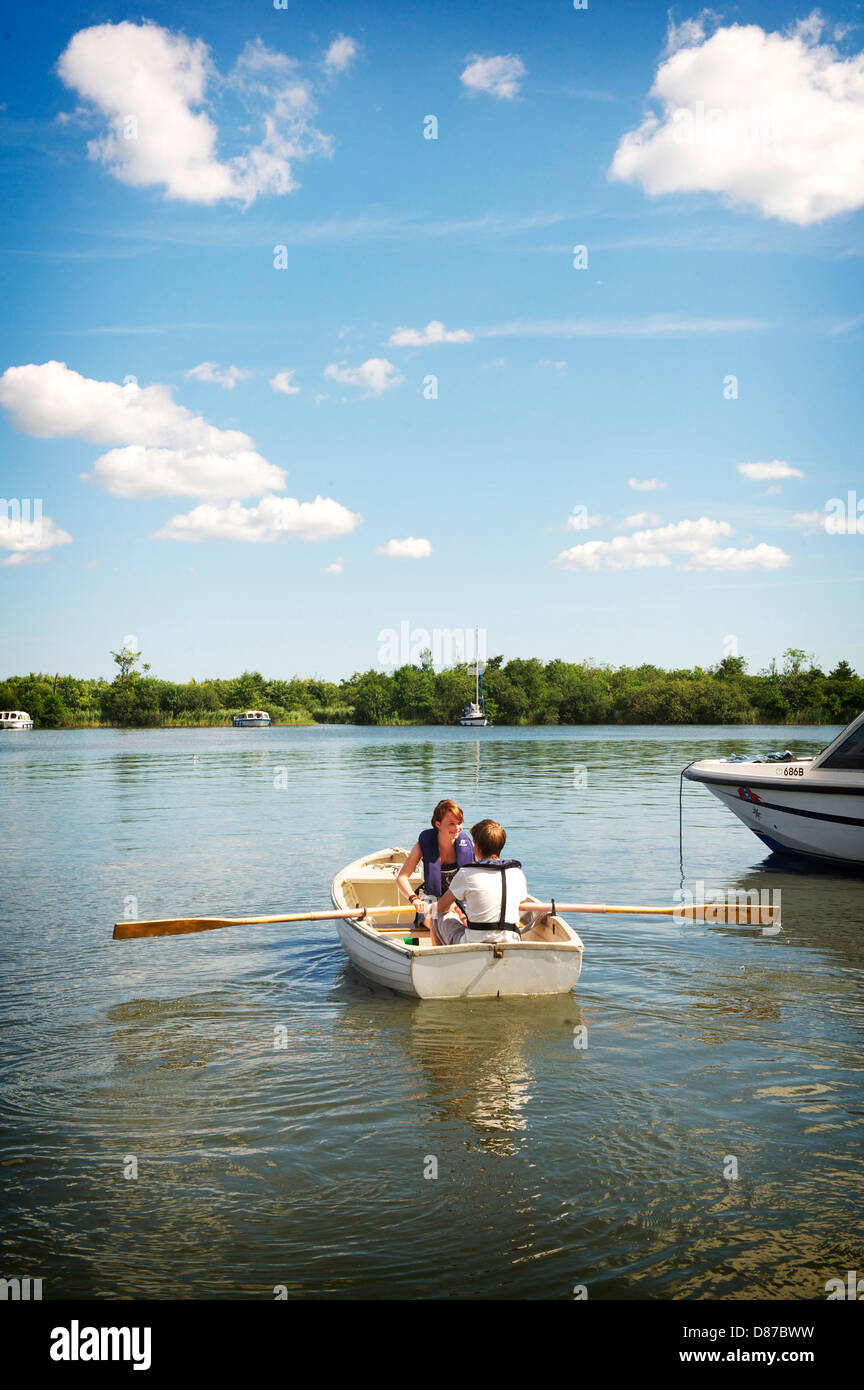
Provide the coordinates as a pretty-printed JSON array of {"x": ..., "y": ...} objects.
[
  {"x": 282, "y": 1110},
  {"x": 479, "y": 1064}
]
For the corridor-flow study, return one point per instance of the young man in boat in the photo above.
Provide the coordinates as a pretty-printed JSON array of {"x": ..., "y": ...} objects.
[
  {"x": 488, "y": 891},
  {"x": 444, "y": 849}
]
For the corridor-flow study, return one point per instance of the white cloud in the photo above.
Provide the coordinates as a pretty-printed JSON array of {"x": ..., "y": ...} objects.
[
  {"x": 609, "y": 555},
  {"x": 767, "y": 120},
  {"x": 646, "y": 549},
  {"x": 764, "y": 472},
  {"x": 341, "y": 54},
  {"x": 646, "y": 485},
  {"x": 811, "y": 521},
  {"x": 579, "y": 520},
  {"x": 337, "y": 567},
  {"x": 760, "y": 557},
  {"x": 209, "y": 371},
  {"x": 848, "y": 325},
  {"x": 160, "y": 440},
  {"x": 688, "y": 32},
  {"x": 639, "y": 519},
  {"x": 412, "y": 548},
  {"x": 271, "y": 519},
  {"x": 151, "y": 86},
  {"x": 24, "y": 557},
  {"x": 283, "y": 382},
  {"x": 500, "y": 76},
  {"x": 26, "y": 537},
  {"x": 51, "y": 401},
  {"x": 434, "y": 332},
  {"x": 652, "y": 326},
  {"x": 258, "y": 58},
  {"x": 376, "y": 374},
  {"x": 134, "y": 471}
]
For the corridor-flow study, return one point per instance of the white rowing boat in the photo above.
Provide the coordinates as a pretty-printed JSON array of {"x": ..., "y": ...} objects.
[{"x": 547, "y": 960}]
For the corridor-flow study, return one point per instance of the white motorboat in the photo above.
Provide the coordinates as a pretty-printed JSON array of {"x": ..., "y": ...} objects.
[
  {"x": 808, "y": 806},
  {"x": 387, "y": 949},
  {"x": 15, "y": 719},
  {"x": 252, "y": 719}
]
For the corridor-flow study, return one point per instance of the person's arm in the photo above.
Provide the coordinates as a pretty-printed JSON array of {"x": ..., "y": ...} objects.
[
  {"x": 403, "y": 876},
  {"x": 450, "y": 899},
  {"x": 444, "y": 903}
]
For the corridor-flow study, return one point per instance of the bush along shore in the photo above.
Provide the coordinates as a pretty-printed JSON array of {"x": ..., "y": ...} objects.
[{"x": 520, "y": 691}]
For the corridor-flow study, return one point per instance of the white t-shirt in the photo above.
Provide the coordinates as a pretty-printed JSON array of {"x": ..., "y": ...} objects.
[{"x": 479, "y": 892}]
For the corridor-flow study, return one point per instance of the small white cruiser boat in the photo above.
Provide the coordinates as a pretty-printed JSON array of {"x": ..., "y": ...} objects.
[
  {"x": 252, "y": 719},
  {"x": 15, "y": 719},
  {"x": 808, "y": 806},
  {"x": 547, "y": 960}
]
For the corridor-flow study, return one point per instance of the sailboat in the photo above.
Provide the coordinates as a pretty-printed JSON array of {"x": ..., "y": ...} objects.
[{"x": 473, "y": 716}]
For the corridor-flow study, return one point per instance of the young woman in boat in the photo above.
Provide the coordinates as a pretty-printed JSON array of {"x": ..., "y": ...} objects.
[
  {"x": 444, "y": 849},
  {"x": 489, "y": 890}
]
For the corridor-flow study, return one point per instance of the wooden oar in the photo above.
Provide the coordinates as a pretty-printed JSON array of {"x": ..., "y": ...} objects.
[
  {"x": 718, "y": 912},
  {"x": 180, "y": 926}
]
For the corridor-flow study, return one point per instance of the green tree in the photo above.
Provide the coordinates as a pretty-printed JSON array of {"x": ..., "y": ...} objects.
[
  {"x": 126, "y": 659},
  {"x": 372, "y": 701}
]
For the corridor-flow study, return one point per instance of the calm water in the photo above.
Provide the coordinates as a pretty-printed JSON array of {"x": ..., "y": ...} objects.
[{"x": 304, "y": 1165}]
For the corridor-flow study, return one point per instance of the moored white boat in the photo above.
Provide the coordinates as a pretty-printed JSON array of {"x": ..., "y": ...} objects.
[
  {"x": 807, "y": 806},
  {"x": 547, "y": 960},
  {"x": 252, "y": 719},
  {"x": 472, "y": 717},
  {"x": 15, "y": 719}
]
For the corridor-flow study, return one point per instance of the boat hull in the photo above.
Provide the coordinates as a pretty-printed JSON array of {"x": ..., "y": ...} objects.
[
  {"x": 15, "y": 720},
  {"x": 548, "y": 962},
  {"x": 792, "y": 807}
]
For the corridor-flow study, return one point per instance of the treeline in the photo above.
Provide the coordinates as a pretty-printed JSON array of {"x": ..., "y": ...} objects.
[{"x": 521, "y": 691}]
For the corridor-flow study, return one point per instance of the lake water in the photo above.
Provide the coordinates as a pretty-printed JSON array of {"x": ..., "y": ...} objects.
[{"x": 305, "y": 1165}]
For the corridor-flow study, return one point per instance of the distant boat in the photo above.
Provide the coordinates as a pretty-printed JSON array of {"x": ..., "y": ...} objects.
[
  {"x": 808, "y": 806},
  {"x": 15, "y": 719},
  {"x": 252, "y": 719},
  {"x": 473, "y": 716}
]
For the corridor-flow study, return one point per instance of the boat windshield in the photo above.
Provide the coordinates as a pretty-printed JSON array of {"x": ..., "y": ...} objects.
[{"x": 850, "y": 754}]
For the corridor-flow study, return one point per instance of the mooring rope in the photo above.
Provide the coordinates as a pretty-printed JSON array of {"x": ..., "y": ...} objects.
[{"x": 681, "y": 819}]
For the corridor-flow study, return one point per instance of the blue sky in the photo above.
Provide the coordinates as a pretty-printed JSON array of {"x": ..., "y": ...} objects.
[{"x": 139, "y": 253}]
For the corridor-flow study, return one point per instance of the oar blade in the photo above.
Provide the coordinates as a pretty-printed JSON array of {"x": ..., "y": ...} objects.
[
  {"x": 742, "y": 914},
  {"x": 127, "y": 931}
]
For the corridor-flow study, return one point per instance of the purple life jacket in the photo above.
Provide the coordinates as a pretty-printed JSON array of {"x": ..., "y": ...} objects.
[{"x": 463, "y": 853}]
